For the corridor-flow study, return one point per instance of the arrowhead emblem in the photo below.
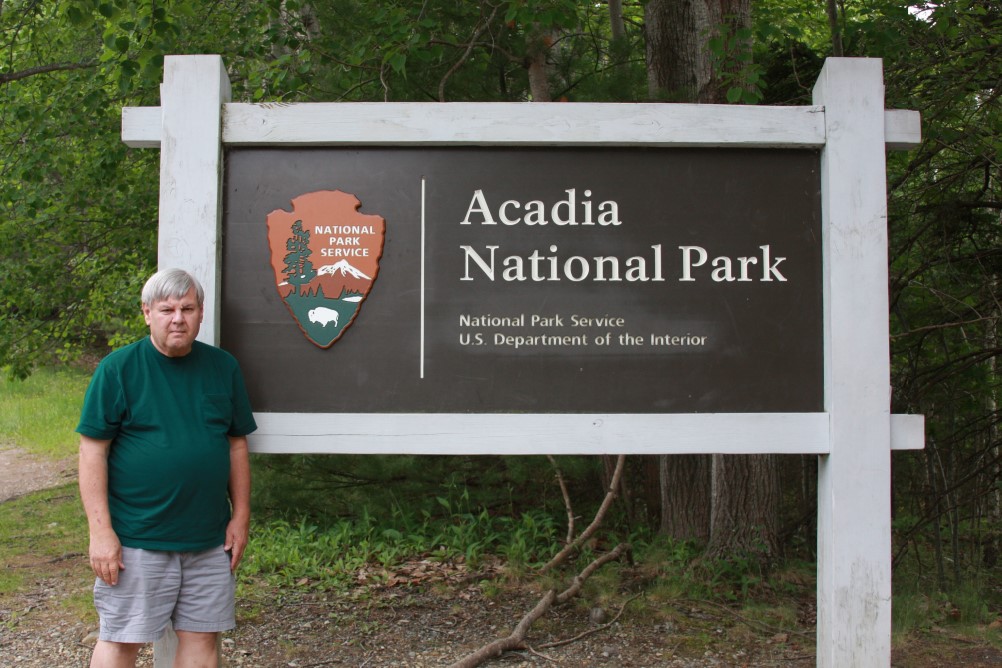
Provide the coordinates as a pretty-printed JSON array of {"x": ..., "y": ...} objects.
[{"x": 325, "y": 257}]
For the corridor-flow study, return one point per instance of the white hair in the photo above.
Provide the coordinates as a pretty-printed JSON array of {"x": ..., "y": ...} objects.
[{"x": 171, "y": 283}]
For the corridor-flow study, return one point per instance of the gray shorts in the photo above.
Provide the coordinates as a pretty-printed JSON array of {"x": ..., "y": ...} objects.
[{"x": 193, "y": 590}]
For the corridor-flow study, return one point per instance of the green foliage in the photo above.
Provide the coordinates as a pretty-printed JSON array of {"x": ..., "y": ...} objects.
[
  {"x": 331, "y": 557},
  {"x": 77, "y": 207},
  {"x": 945, "y": 210},
  {"x": 921, "y": 607},
  {"x": 732, "y": 58}
]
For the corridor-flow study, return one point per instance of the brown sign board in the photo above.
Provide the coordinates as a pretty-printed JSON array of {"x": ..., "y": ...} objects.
[{"x": 538, "y": 280}]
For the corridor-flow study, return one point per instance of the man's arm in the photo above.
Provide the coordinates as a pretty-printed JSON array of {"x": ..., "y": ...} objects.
[
  {"x": 239, "y": 487},
  {"x": 105, "y": 548}
]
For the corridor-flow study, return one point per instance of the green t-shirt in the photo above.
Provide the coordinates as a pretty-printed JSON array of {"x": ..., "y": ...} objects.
[{"x": 168, "y": 419}]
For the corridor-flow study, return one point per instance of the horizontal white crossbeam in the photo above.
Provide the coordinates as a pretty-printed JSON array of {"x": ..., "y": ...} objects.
[
  {"x": 558, "y": 434},
  {"x": 537, "y": 124}
]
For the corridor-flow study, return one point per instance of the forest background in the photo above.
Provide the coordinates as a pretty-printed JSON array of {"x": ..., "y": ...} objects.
[{"x": 78, "y": 223}]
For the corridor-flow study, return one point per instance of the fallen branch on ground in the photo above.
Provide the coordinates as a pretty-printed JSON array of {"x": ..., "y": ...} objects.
[
  {"x": 516, "y": 640},
  {"x": 590, "y": 632}
]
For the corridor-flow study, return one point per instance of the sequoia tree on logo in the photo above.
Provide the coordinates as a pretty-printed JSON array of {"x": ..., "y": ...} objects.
[{"x": 325, "y": 257}]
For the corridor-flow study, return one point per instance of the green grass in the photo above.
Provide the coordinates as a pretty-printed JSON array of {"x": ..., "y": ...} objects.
[
  {"x": 39, "y": 414},
  {"x": 45, "y": 527}
]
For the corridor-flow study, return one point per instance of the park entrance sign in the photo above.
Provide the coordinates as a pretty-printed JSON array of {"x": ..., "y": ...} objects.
[
  {"x": 525, "y": 280},
  {"x": 559, "y": 278}
]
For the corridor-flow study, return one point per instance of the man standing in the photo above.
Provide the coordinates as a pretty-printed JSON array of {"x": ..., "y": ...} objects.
[{"x": 165, "y": 482}]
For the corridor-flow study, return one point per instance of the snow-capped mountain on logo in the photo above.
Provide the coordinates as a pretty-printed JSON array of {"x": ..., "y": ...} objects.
[
  {"x": 339, "y": 280},
  {"x": 344, "y": 268}
]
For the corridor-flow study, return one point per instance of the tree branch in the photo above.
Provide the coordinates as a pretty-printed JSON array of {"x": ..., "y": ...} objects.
[
  {"x": 479, "y": 30},
  {"x": 44, "y": 69},
  {"x": 516, "y": 640},
  {"x": 513, "y": 641},
  {"x": 580, "y": 578},
  {"x": 590, "y": 632},
  {"x": 567, "y": 499},
  {"x": 610, "y": 496}
]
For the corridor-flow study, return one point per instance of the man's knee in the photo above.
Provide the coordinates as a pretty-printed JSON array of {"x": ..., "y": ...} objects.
[
  {"x": 114, "y": 654},
  {"x": 197, "y": 649}
]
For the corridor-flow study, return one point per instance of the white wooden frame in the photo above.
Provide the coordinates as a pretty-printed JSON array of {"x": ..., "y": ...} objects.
[{"x": 854, "y": 435}]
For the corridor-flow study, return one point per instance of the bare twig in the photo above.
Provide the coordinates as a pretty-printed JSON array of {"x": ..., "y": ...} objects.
[
  {"x": 589, "y": 632},
  {"x": 610, "y": 496},
  {"x": 580, "y": 578},
  {"x": 516, "y": 640},
  {"x": 532, "y": 650},
  {"x": 478, "y": 31},
  {"x": 567, "y": 499}
]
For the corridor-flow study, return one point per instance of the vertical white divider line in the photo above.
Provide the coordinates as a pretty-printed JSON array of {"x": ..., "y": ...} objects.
[{"x": 421, "y": 354}]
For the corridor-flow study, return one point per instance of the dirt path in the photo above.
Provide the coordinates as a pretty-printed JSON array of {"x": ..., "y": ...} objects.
[{"x": 22, "y": 473}]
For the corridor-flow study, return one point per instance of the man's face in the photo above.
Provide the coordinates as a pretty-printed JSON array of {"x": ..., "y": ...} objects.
[{"x": 174, "y": 323}]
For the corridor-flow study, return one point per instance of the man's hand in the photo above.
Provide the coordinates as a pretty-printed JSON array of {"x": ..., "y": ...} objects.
[
  {"x": 237, "y": 532},
  {"x": 106, "y": 556}
]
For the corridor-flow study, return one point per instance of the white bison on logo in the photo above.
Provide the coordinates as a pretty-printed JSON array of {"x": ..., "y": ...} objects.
[{"x": 323, "y": 315}]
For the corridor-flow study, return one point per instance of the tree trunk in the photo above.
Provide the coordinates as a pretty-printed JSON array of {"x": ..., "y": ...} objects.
[
  {"x": 616, "y": 25},
  {"x": 685, "y": 496},
  {"x": 990, "y": 548},
  {"x": 739, "y": 510},
  {"x": 836, "y": 28},
  {"x": 745, "y": 506},
  {"x": 680, "y": 64},
  {"x": 536, "y": 63}
]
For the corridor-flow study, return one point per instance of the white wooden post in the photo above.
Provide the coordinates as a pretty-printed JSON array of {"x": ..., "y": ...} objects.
[
  {"x": 854, "y": 514},
  {"x": 191, "y": 104},
  {"x": 192, "y": 97}
]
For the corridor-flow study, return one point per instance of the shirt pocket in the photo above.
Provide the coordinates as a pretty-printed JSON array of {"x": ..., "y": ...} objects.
[{"x": 217, "y": 412}]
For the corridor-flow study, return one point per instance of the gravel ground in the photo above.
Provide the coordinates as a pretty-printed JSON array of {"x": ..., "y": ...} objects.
[
  {"x": 425, "y": 629},
  {"x": 395, "y": 628}
]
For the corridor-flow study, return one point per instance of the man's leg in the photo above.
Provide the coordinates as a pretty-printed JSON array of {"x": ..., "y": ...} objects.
[
  {"x": 196, "y": 650},
  {"x": 205, "y": 607},
  {"x": 114, "y": 654}
]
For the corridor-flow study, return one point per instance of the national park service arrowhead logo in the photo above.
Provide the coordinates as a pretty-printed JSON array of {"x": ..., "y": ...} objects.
[{"x": 325, "y": 256}]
